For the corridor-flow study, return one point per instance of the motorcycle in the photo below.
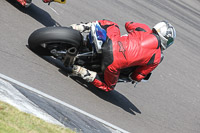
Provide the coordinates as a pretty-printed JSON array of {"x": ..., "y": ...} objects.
[
  {"x": 27, "y": 3},
  {"x": 74, "y": 48}
]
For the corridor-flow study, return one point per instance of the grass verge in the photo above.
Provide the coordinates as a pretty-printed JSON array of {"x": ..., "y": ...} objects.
[{"x": 14, "y": 121}]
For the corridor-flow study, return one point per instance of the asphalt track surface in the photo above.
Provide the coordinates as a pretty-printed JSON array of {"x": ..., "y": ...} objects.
[{"x": 169, "y": 102}]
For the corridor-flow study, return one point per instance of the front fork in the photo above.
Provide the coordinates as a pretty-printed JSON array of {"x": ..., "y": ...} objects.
[{"x": 69, "y": 58}]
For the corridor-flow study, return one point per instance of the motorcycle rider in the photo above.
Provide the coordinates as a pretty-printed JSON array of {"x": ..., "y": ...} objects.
[{"x": 141, "y": 47}]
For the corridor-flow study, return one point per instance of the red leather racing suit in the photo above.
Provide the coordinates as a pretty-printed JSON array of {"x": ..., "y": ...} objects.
[{"x": 139, "y": 48}]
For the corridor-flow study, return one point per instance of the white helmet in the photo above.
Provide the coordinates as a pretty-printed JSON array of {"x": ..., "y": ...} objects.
[{"x": 166, "y": 32}]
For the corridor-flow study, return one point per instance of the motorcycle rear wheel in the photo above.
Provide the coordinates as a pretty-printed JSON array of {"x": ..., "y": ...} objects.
[{"x": 53, "y": 35}]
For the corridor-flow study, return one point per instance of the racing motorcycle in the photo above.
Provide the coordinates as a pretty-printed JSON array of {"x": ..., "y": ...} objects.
[
  {"x": 74, "y": 48},
  {"x": 27, "y": 3}
]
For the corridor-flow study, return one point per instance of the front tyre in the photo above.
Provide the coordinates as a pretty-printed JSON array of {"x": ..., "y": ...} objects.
[{"x": 43, "y": 40}]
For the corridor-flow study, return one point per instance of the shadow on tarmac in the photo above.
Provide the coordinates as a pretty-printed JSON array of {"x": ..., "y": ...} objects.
[
  {"x": 35, "y": 12},
  {"x": 113, "y": 96}
]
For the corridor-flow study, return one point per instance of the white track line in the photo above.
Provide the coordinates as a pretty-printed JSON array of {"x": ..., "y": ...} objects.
[
  {"x": 54, "y": 11},
  {"x": 61, "y": 102}
]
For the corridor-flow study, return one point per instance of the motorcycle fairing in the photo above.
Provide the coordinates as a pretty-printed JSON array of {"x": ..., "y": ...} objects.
[{"x": 97, "y": 37}]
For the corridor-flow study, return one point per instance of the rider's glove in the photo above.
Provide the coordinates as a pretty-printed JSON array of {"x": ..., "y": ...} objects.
[
  {"x": 133, "y": 81},
  {"x": 82, "y": 27}
]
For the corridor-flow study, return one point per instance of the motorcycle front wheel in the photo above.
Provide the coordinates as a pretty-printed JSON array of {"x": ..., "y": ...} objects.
[{"x": 43, "y": 40}]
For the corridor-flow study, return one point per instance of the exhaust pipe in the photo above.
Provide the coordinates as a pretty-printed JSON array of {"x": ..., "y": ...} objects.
[{"x": 70, "y": 55}]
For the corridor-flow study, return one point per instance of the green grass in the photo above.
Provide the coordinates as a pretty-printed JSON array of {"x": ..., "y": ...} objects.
[{"x": 14, "y": 121}]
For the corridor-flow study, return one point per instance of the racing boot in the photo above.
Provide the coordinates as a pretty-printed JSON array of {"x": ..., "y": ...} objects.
[
  {"x": 84, "y": 73},
  {"x": 82, "y": 27}
]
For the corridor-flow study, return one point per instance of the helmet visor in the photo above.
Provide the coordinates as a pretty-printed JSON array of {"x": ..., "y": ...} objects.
[
  {"x": 170, "y": 35},
  {"x": 170, "y": 42}
]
